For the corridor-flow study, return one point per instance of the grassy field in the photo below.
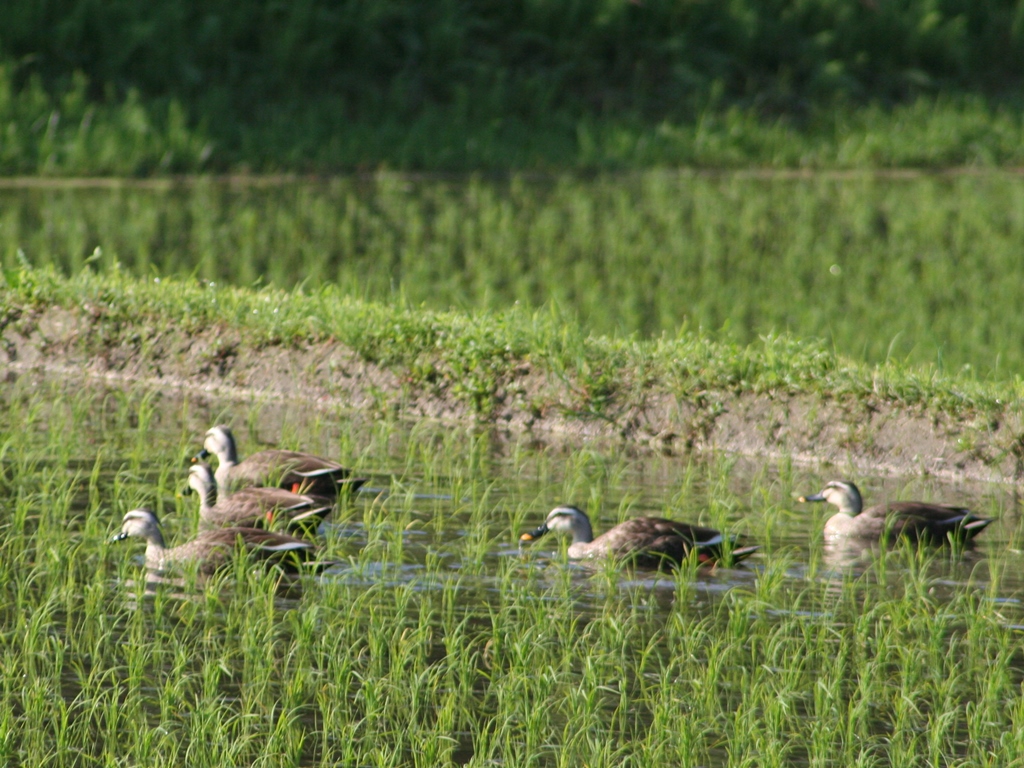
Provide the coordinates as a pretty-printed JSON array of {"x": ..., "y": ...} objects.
[
  {"x": 435, "y": 642},
  {"x": 910, "y": 268}
]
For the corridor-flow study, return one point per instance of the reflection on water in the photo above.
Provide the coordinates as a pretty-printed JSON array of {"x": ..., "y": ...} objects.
[
  {"x": 436, "y": 479},
  {"x": 437, "y": 506},
  {"x": 841, "y": 555}
]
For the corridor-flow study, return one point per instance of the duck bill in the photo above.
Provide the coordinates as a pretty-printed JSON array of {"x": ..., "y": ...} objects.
[
  {"x": 815, "y": 497},
  {"x": 118, "y": 537},
  {"x": 201, "y": 456},
  {"x": 536, "y": 533}
]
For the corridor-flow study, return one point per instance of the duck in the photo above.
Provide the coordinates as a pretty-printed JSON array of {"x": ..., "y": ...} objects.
[
  {"x": 649, "y": 542},
  {"x": 212, "y": 550},
  {"x": 292, "y": 470},
  {"x": 253, "y": 507},
  {"x": 914, "y": 520}
]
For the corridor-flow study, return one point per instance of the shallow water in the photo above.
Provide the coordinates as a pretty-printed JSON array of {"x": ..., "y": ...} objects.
[{"x": 434, "y": 610}]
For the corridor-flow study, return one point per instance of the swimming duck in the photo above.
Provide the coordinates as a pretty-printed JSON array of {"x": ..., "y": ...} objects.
[
  {"x": 916, "y": 520},
  {"x": 649, "y": 542},
  {"x": 213, "y": 549},
  {"x": 292, "y": 470},
  {"x": 253, "y": 507}
]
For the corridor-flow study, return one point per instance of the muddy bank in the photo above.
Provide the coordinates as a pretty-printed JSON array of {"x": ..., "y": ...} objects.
[{"x": 856, "y": 435}]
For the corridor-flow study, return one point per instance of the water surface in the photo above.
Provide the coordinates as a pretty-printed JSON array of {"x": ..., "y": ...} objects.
[{"x": 435, "y": 638}]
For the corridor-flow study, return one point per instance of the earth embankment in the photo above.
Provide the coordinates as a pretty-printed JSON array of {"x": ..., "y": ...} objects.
[{"x": 854, "y": 434}]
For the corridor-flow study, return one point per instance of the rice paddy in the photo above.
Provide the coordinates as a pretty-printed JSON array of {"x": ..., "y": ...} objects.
[
  {"x": 435, "y": 637},
  {"x": 911, "y": 268},
  {"x": 436, "y": 640}
]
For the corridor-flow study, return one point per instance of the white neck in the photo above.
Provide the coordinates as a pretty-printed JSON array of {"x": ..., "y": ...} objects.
[
  {"x": 222, "y": 477},
  {"x": 207, "y": 495},
  {"x": 582, "y": 532},
  {"x": 227, "y": 458},
  {"x": 155, "y": 552}
]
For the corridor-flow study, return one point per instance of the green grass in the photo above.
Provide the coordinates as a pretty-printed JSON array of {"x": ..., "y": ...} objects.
[
  {"x": 474, "y": 357},
  {"x": 917, "y": 269},
  {"x": 435, "y": 643}
]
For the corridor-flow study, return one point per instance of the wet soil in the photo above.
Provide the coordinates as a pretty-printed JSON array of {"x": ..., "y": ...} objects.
[{"x": 855, "y": 436}]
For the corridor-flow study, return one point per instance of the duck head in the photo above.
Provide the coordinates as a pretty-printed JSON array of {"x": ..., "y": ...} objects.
[
  {"x": 220, "y": 443},
  {"x": 840, "y": 493},
  {"x": 566, "y": 519},
  {"x": 201, "y": 480},
  {"x": 142, "y": 523}
]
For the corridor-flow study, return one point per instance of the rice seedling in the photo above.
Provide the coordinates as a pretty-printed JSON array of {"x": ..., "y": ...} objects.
[
  {"x": 435, "y": 640},
  {"x": 909, "y": 269}
]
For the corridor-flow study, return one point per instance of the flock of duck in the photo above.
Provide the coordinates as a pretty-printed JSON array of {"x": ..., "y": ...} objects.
[
  {"x": 654, "y": 541},
  {"x": 244, "y": 505}
]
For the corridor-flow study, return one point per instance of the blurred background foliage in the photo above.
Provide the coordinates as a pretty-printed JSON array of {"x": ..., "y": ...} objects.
[{"x": 323, "y": 85}]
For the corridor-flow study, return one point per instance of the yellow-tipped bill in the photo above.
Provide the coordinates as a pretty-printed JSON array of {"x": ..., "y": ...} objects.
[{"x": 536, "y": 533}]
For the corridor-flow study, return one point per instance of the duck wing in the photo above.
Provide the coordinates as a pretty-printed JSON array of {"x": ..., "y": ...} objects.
[
  {"x": 300, "y": 512},
  {"x": 274, "y": 498},
  {"x": 267, "y": 546},
  {"x": 935, "y": 523},
  {"x": 292, "y": 470},
  {"x": 265, "y": 507},
  {"x": 657, "y": 541}
]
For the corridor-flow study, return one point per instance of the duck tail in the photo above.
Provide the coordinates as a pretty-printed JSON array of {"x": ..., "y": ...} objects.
[
  {"x": 742, "y": 553},
  {"x": 975, "y": 525}
]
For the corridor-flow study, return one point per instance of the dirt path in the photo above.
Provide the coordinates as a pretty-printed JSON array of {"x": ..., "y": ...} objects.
[{"x": 858, "y": 436}]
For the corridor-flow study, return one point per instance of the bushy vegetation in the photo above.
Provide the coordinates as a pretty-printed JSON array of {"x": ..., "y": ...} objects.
[
  {"x": 658, "y": 57},
  {"x": 67, "y": 132},
  {"x": 455, "y": 85}
]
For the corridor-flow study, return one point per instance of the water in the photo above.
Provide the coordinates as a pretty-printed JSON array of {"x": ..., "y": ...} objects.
[{"x": 436, "y": 637}]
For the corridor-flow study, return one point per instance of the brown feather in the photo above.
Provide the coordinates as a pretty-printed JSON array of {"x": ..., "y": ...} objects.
[
  {"x": 914, "y": 520},
  {"x": 212, "y": 550},
  {"x": 649, "y": 542}
]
